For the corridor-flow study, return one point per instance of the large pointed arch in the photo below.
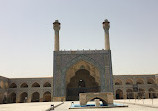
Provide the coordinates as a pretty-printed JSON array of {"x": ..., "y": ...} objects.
[
  {"x": 82, "y": 58},
  {"x": 81, "y": 71},
  {"x": 94, "y": 72},
  {"x": 12, "y": 97}
]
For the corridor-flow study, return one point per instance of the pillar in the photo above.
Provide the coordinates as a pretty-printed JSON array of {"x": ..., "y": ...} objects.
[
  {"x": 146, "y": 94},
  {"x": 106, "y": 26},
  {"x": 17, "y": 97},
  {"x": 124, "y": 94},
  {"x": 56, "y": 27},
  {"x": 29, "y": 97}
]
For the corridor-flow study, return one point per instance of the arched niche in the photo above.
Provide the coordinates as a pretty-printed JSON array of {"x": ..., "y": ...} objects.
[
  {"x": 24, "y": 85},
  {"x": 94, "y": 72},
  {"x": 129, "y": 82},
  {"x": 118, "y": 82},
  {"x": 150, "y": 81},
  {"x": 12, "y": 97},
  {"x": 47, "y": 84},
  {"x": 130, "y": 94},
  {"x": 47, "y": 96},
  {"x": 35, "y": 97},
  {"x": 13, "y": 85},
  {"x": 35, "y": 84},
  {"x": 23, "y": 97},
  {"x": 119, "y": 94},
  {"x": 80, "y": 78},
  {"x": 152, "y": 93},
  {"x": 139, "y": 81}
]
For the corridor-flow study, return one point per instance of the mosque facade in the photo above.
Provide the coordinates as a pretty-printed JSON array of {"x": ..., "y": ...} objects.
[{"x": 78, "y": 71}]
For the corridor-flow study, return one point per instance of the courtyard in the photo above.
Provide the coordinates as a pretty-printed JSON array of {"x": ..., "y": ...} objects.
[{"x": 133, "y": 105}]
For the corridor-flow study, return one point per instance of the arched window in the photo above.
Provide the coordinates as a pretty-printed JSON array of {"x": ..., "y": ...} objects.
[
  {"x": 118, "y": 82},
  {"x": 129, "y": 82},
  {"x": 150, "y": 81},
  {"x": 24, "y": 85},
  {"x": 13, "y": 85},
  {"x": 139, "y": 81},
  {"x": 35, "y": 84},
  {"x": 47, "y": 84}
]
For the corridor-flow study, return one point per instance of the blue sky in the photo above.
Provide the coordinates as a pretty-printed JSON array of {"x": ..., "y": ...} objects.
[{"x": 27, "y": 36}]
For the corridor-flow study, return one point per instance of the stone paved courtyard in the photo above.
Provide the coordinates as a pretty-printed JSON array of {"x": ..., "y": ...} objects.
[{"x": 43, "y": 106}]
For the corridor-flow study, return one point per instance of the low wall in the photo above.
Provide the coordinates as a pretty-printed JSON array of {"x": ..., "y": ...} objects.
[{"x": 106, "y": 98}]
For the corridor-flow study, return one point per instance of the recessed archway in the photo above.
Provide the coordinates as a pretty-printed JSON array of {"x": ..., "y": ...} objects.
[
  {"x": 150, "y": 81},
  {"x": 12, "y": 98},
  {"x": 129, "y": 82},
  {"x": 140, "y": 81},
  {"x": 119, "y": 94},
  {"x": 82, "y": 77},
  {"x": 118, "y": 82},
  {"x": 47, "y": 84},
  {"x": 23, "y": 97},
  {"x": 141, "y": 93},
  {"x": 130, "y": 94},
  {"x": 24, "y": 85},
  {"x": 35, "y": 84},
  {"x": 35, "y": 97},
  {"x": 13, "y": 85},
  {"x": 47, "y": 96},
  {"x": 152, "y": 93}
]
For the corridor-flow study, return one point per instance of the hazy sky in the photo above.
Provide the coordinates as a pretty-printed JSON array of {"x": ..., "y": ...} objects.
[{"x": 27, "y": 36}]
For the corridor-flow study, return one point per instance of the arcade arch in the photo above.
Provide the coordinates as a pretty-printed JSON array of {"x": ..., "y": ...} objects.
[
  {"x": 23, "y": 97},
  {"x": 35, "y": 97},
  {"x": 141, "y": 93},
  {"x": 152, "y": 93},
  {"x": 119, "y": 94},
  {"x": 47, "y": 96},
  {"x": 130, "y": 94},
  {"x": 12, "y": 97}
]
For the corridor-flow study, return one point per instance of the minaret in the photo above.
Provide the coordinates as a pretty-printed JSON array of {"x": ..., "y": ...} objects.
[
  {"x": 106, "y": 26},
  {"x": 56, "y": 27}
]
